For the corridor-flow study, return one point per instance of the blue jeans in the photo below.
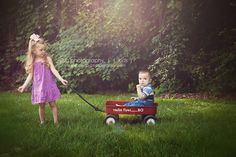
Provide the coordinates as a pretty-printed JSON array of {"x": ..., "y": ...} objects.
[{"x": 139, "y": 103}]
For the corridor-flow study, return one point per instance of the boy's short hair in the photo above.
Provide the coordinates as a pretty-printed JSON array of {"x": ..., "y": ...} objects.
[{"x": 145, "y": 71}]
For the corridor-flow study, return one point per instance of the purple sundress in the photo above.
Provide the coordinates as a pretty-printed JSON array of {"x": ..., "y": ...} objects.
[{"x": 44, "y": 88}]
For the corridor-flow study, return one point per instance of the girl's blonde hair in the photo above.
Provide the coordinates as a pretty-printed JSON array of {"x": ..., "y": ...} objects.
[{"x": 31, "y": 56}]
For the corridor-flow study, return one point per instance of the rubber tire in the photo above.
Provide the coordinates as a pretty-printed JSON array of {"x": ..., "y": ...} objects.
[
  {"x": 150, "y": 119},
  {"x": 143, "y": 116},
  {"x": 110, "y": 119}
]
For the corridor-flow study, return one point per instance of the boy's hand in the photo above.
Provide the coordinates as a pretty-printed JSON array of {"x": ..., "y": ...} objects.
[
  {"x": 64, "y": 82},
  {"x": 134, "y": 98},
  {"x": 138, "y": 86},
  {"x": 21, "y": 89}
]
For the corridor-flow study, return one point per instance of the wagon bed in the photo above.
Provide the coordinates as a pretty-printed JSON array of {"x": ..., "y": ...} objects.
[{"x": 115, "y": 107}]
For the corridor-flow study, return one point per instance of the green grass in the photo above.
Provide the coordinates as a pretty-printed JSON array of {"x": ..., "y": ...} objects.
[{"x": 186, "y": 128}]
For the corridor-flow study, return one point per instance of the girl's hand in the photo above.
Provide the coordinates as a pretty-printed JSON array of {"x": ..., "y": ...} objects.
[
  {"x": 21, "y": 89},
  {"x": 64, "y": 82}
]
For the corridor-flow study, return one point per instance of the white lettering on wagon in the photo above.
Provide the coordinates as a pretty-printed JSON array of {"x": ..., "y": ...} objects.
[
  {"x": 117, "y": 109},
  {"x": 128, "y": 110}
]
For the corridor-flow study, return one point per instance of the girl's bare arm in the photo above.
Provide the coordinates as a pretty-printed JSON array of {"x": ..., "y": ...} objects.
[
  {"x": 27, "y": 81},
  {"x": 55, "y": 72}
]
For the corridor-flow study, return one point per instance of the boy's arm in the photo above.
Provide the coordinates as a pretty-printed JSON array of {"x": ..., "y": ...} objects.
[
  {"x": 139, "y": 92},
  {"x": 55, "y": 72},
  {"x": 145, "y": 92}
]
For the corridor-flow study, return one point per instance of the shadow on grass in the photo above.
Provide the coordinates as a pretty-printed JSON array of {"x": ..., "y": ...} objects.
[{"x": 131, "y": 121}]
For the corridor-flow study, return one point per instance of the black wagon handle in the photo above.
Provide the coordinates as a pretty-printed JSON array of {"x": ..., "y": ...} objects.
[{"x": 90, "y": 104}]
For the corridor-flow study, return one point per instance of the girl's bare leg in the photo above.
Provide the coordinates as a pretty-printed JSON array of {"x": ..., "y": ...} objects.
[
  {"x": 42, "y": 112},
  {"x": 53, "y": 107}
]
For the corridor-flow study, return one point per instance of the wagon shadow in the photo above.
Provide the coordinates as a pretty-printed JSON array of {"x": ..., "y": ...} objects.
[
  {"x": 165, "y": 119},
  {"x": 138, "y": 120},
  {"x": 131, "y": 121}
]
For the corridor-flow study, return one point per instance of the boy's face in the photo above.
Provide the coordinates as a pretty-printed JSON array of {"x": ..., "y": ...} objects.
[{"x": 144, "y": 79}]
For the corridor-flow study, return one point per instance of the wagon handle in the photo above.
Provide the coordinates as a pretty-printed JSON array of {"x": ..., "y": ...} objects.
[{"x": 90, "y": 104}]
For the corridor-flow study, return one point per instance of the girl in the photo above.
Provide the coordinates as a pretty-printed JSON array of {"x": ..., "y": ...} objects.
[{"x": 40, "y": 68}]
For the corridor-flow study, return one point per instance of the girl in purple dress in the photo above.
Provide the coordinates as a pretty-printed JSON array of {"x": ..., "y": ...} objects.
[{"x": 40, "y": 69}]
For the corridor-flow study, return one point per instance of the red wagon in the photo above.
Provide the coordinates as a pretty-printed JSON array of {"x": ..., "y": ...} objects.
[{"x": 115, "y": 107}]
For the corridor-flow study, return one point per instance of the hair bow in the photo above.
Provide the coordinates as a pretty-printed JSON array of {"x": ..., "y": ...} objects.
[{"x": 35, "y": 37}]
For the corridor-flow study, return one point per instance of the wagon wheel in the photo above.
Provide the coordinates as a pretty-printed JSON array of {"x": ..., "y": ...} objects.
[
  {"x": 150, "y": 119},
  {"x": 117, "y": 116},
  {"x": 111, "y": 119}
]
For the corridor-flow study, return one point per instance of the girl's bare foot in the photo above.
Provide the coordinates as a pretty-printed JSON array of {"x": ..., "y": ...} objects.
[{"x": 56, "y": 124}]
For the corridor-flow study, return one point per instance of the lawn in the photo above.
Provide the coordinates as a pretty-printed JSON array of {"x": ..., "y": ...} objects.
[{"x": 186, "y": 127}]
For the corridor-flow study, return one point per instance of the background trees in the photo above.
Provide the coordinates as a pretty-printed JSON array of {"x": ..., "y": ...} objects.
[{"x": 189, "y": 45}]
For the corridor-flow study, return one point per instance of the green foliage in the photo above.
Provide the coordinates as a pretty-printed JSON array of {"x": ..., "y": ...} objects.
[
  {"x": 216, "y": 74},
  {"x": 169, "y": 43},
  {"x": 26, "y": 17},
  {"x": 189, "y": 55},
  {"x": 213, "y": 57},
  {"x": 163, "y": 88},
  {"x": 100, "y": 45},
  {"x": 131, "y": 87}
]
